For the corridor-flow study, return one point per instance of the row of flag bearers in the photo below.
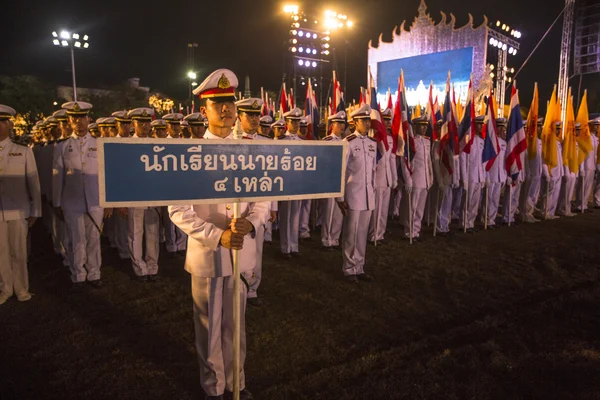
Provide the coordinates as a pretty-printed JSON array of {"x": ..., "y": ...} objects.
[{"x": 396, "y": 166}]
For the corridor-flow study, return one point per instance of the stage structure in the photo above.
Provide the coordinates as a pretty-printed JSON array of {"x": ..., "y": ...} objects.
[{"x": 427, "y": 51}]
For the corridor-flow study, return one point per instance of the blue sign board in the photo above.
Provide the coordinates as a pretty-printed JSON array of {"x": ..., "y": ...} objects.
[{"x": 152, "y": 172}]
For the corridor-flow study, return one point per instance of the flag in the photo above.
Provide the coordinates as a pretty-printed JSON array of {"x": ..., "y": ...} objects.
[
  {"x": 379, "y": 130},
  {"x": 491, "y": 146},
  {"x": 516, "y": 139},
  {"x": 401, "y": 126},
  {"x": 466, "y": 129},
  {"x": 448, "y": 147},
  {"x": 531, "y": 131},
  {"x": 283, "y": 104},
  {"x": 417, "y": 112},
  {"x": 549, "y": 148},
  {"x": 311, "y": 111},
  {"x": 431, "y": 115},
  {"x": 388, "y": 101},
  {"x": 290, "y": 99},
  {"x": 569, "y": 152},
  {"x": 584, "y": 140}
]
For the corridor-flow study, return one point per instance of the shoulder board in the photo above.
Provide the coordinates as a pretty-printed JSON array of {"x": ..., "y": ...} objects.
[
  {"x": 373, "y": 139},
  {"x": 350, "y": 137},
  {"x": 327, "y": 138},
  {"x": 62, "y": 140},
  {"x": 265, "y": 136},
  {"x": 19, "y": 142}
]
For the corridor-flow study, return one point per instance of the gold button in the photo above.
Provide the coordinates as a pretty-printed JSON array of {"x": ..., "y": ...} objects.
[
  {"x": 228, "y": 208},
  {"x": 1, "y": 147}
]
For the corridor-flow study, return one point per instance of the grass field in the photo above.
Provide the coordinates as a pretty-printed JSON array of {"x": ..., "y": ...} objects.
[{"x": 507, "y": 314}]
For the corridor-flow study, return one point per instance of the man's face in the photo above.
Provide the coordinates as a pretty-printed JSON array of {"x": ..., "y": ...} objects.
[
  {"x": 249, "y": 121},
  {"x": 142, "y": 127},
  {"x": 279, "y": 132},
  {"x": 337, "y": 128},
  {"x": 5, "y": 128},
  {"x": 558, "y": 131},
  {"x": 502, "y": 132},
  {"x": 594, "y": 129},
  {"x": 65, "y": 129},
  {"x": 185, "y": 132},
  {"x": 197, "y": 131},
  {"x": 160, "y": 133},
  {"x": 79, "y": 124},
  {"x": 123, "y": 128},
  {"x": 388, "y": 124},
  {"x": 104, "y": 132},
  {"x": 293, "y": 125},
  {"x": 174, "y": 130},
  {"x": 55, "y": 132},
  {"x": 539, "y": 130},
  {"x": 304, "y": 130},
  {"x": 219, "y": 115},
  {"x": 478, "y": 128},
  {"x": 352, "y": 127},
  {"x": 421, "y": 130},
  {"x": 264, "y": 130},
  {"x": 363, "y": 125}
]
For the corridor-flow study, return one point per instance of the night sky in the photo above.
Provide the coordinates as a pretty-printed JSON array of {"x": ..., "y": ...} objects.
[{"x": 148, "y": 39}]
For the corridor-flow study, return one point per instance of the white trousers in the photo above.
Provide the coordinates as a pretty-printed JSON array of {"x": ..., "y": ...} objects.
[
  {"x": 254, "y": 276},
  {"x": 268, "y": 231},
  {"x": 551, "y": 201},
  {"x": 86, "y": 257},
  {"x": 213, "y": 325},
  {"x": 331, "y": 226},
  {"x": 175, "y": 239},
  {"x": 457, "y": 196},
  {"x": 304, "y": 227},
  {"x": 289, "y": 224},
  {"x": 445, "y": 213},
  {"x": 493, "y": 201},
  {"x": 515, "y": 193},
  {"x": 418, "y": 198},
  {"x": 120, "y": 226},
  {"x": 472, "y": 197},
  {"x": 395, "y": 207},
  {"x": 378, "y": 223},
  {"x": 13, "y": 258},
  {"x": 532, "y": 190},
  {"x": 109, "y": 231},
  {"x": 60, "y": 235},
  {"x": 566, "y": 195},
  {"x": 144, "y": 224},
  {"x": 597, "y": 193},
  {"x": 354, "y": 241},
  {"x": 588, "y": 183}
]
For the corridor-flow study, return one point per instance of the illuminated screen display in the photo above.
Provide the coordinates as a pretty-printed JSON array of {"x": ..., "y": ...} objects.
[{"x": 419, "y": 71}]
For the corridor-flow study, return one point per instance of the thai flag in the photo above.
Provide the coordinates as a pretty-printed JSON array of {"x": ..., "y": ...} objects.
[
  {"x": 290, "y": 99},
  {"x": 449, "y": 136},
  {"x": 401, "y": 124},
  {"x": 466, "y": 129},
  {"x": 388, "y": 101},
  {"x": 516, "y": 139},
  {"x": 264, "y": 110},
  {"x": 430, "y": 113},
  {"x": 311, "y": 111},
  {"x": 379, "y": 131},
  {"x": 491, "y": 147},
  {"x": 283, "y": 104}
]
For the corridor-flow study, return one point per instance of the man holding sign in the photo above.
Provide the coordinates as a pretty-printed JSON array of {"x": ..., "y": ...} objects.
[{"x": 213, "y": 233}]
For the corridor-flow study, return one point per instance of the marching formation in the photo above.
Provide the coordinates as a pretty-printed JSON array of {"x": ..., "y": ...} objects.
[{"x": 434, "y": 167}]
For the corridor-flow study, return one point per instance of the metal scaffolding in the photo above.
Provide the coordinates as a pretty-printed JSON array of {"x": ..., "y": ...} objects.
[{"x": 565, "y": 56}]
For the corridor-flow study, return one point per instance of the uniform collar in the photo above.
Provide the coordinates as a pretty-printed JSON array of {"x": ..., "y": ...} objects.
[
  {"x": 75, "y": 136},
  {"x": 288, "y": 133},
  {"x": 250, "y": 135},
  {"x": 209, "y": 135}
]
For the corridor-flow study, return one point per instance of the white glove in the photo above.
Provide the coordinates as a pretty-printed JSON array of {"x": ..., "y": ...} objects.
[
  {"x": 509, "y": 181},
  {"x": 395, "y": 184},
  {"x": 408, "y": 189},
  {"x": 487, "y": 182}
]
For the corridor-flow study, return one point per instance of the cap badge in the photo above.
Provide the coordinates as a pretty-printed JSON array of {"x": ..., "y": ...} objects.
[
  {"x": 255, "y": 104},
  {"x": 223, "y": 82},
  {"x": 144, "y": 113},
  {"x": 76, "y": 107}
]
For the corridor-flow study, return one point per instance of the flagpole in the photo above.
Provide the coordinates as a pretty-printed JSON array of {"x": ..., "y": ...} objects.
[
  {"x": 466, "y": 189},
  {"x": 410, "y": 212},
  {"x": 485, "y": 216},
  {"x": 237, "y": 312},
  {"x": 509, "y": 201},
  {"x": 437, "y": 207},
  {"x": 582, "y": 190},
  {"x": 546, "y": 200}
]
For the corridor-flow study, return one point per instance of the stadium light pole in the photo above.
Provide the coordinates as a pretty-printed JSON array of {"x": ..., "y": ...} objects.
[
  {"x": 192, "y": 77},
  {"x": 71, "y": 40}
]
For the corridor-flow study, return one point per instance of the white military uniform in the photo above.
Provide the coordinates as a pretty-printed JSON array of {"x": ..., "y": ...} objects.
[
  {"x": 473, "y": 177},
  {"x": 566, "y": 192},
  {"x": 532, "y": 183},
  {"x": 512, "y": 193},
  {"x": 447, "y": 189},
  {"x": 551, "y": 184},
  {"x": 419, "y": 181},
  {"x": 495, "y": 179},
  {"x": 360, "y": 197},
  {"x": 386, "y": 179},
  {"x": 75, "y": 190},
  {"x": 20, "y": 198},
  {"x": 289, "y": 211},
  {"x": 211, "y": 268},
  {"x": 331, "y": 226},
  {"x": 587, "y": 170}
]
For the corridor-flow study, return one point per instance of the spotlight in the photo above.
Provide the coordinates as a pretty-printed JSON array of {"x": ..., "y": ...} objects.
[
  {"x": 349, "y": 24},
  {"x": 85, "y": 37},
  {"x": 294, "y": 41},
  {"x": 504, "y": 46},
  {"x": 492, "y": 41},
  {"x": 78, "y": 44},
  {"x": 498, "y": 23},
  {"x": 492, "y": 75},
  {"x": 293, "y": 49},
  {"x": 64, "y": 43},
  {"x": 341, "y": 25},
  {"x": 301, "y": 49},
  {"x": 76, "y": 36},
  {"x": 314, "y": 64},
  {"x": 300, "y": 33},
  {"x": 314, "y": 35},
  {"x": 86, "y": 45},
  {"x": 303, "y": 83},
  {"x": 505, "y": 68},
  {"x": 300, "y": 62},
  {"x": 514, "y": 52},
  {"x": 491, "y": 67},
  {"x": 65, "y": 35},
  {"x": 56, "y": 42},
  {"x": 503, "y": 26},
  {"x": 509, "y": 79},
  {"x": 294, "y": 32},
  {"x": 512, "y": 70},
  {"x": 314, "y": 51},
  {"x": 54, "y": 34}
]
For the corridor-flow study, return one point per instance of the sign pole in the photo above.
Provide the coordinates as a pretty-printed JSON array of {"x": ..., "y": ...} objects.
[{"x": 236, "y": 313}]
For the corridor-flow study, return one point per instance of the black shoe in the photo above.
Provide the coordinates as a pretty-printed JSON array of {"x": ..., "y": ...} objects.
[
  {"x": 96, "y": 283},
  {"x": 141, "y": 279},
  {"x": 254, "y": 301},
  {"x": 153, "y": 278},
  {"x": 327, "y": 248},
  {"x": 77, "y": 286},
  {"x": 365, "y": 277},
  {"x": 351, "y": 278},
  {"x": 268, "y": 242},
  {"x": 377, "y": 243},
  {"x": 471, "y": 230},
  {"x": 308, "y": 239},
  {"x": 171, "y": 254},
  {"x": 286, "y": 255},
  {"x": 418, "y": 239},
  {"x": 588, "y": 211},
  {"x": 296, "y": 254},
  {"x": 244, "y": 395}
]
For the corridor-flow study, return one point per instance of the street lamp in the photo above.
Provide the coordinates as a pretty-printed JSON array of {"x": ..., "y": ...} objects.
[
  {"x": 71, "y": 40},
  {"x": 192, "y": 77}
]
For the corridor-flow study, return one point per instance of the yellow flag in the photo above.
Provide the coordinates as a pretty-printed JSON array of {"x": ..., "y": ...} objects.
[
  {"x": 459, "y": 111},
  {"x": 532, "y": 118},
  {"x": 549, "y": 147},
  {"x": 570, "y": 158},
  {"x": 584, "y": 140},
  {"x": 417, "y": 112}
]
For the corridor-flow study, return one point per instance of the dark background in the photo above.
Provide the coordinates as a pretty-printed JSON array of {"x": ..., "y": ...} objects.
[{"x": 148, "y": 39}]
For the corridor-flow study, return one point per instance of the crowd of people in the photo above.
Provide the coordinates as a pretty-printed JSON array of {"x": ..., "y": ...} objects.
[{"x": 55, "y": 177}]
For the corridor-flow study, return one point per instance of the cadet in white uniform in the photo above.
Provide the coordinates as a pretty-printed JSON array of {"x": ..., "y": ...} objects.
[
  {"x": 386, "y": 180},
  {"x": 197, "y": 125},
  {"x": 306, "y": 204},
  {"x": 513, "y": 187},
  {"x": 472, "y": 177},
  {"x": 331, "y": 227},
  {"x": 75, "y": 195},
  {"x": 143, "y": 222},
  {"x": 159, "y": 129},
  {"x": 173, "y": 121},
  {"x": 289, "y": 211},
  {"x": 567, "y": 187},
  {"x": 212, "y": 232},
  {"x": 264, "y": 128},
  {"x": 249, "y": 116},
  {"x": 279, "y": 130},
  {"x": 108, "y": 128},
  {"x": 496, "y": 177},
  {"x": 552, "y": 180},
  {"x": 587, "y": 170},
  {"x": 358, "y": 202},
  {"x": 419, "y": 179},
  {"x": 20, "y": 205},
  {"x": 533, "y": 178}
]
